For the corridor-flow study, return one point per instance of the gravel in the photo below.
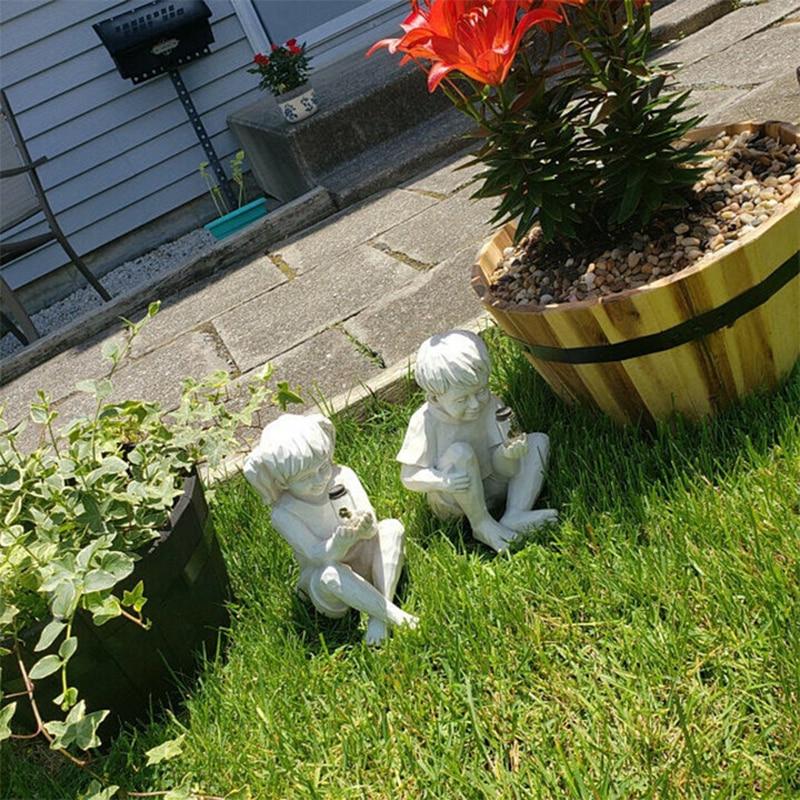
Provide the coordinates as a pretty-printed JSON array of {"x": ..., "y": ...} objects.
[
  {"x": 121, "y": 279},
  {"x": 747, "y": 180}
]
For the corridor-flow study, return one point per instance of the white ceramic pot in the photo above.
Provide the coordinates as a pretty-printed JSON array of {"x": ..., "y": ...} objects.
[{"x": 297, "y": 104}]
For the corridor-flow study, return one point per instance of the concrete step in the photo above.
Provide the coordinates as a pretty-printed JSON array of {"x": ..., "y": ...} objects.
[
  {"x": 389, "y": 162},
  {"x": 361, "y": 102}
]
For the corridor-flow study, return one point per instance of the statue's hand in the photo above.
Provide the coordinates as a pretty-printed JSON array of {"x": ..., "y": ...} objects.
[
  {"x": 344, "y": 537},
  {"x": 516, "y": 449},
  {"x": 364, "y": 524},
  {"x": 456, "y": 482}
]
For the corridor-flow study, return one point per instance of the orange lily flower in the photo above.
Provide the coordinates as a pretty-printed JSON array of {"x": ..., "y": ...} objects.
[{"x": 478, "y": 38}]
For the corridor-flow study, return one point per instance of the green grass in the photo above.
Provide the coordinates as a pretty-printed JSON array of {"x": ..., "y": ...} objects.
[{"x": 649, "y": 646}]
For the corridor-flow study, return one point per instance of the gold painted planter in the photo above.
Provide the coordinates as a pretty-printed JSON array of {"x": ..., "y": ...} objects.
[{"x": 692, "y": 342}]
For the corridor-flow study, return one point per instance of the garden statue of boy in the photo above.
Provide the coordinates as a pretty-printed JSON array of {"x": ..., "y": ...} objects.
[
  {"x": 347, "y": 558},
  {"x": 457, "y": 449}
]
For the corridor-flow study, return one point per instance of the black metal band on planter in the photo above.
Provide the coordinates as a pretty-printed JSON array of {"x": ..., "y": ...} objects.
[{"x": 695, "y": 328}]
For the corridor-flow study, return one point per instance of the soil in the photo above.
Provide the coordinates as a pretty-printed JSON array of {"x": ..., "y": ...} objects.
[{"x": 748, "y": 179}]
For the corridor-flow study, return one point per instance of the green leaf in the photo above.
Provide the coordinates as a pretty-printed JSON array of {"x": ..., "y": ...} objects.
[
  {"x": 5, "y": 720},
  {"x": 181, "y": 793},
  {"x": 68, "y": 648},
  {"x": 49, "y": 634},
  {"x": 98, "y": 580},
  {"x": 67, "y": 699},
  {"x": 79, "y": 727},
  {"x": 86, "y": 730},
  {"x": 110, "y": 350},
  {"x": 135, "y": 598},
  {"x": 631, "y": 198},
  {"x": 118, "y": 564},
  {"x": 13, "y": 512},
  {"x": 39, "y": 415},
  {"x": 107, "y": 610},
  {"x": 165, "y": 751},
  {"x": 153, "y": 308},
  {"x": 87, "y": 386},
  {"x": 65, "y": 598},
  {"x": 96, "y": 791},
  {"x": 284, "y": 395},
  {"x": 11, "y": 479},
  {"x": 104, "y": 388},
  {"x": 7, "y": 613},
  {"x": 44, "y": 667}
]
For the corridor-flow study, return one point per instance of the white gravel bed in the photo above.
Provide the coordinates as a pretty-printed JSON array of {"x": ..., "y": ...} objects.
[{"x": 121, "y": 279}]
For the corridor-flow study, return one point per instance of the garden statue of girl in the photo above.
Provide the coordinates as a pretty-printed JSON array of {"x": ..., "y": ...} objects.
[
  {"x": 347, "y": 558},
  {"x": 457, "y": 448}
]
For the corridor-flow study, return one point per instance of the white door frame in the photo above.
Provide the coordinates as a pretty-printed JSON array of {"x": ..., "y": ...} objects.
[{"x": 257, "y": 36}]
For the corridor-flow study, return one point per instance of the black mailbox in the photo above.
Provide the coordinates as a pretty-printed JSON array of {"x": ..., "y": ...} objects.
[{"x": 156, "y": 37}]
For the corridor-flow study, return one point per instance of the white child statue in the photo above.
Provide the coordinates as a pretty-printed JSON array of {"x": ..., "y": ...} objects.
[
  {"x": 457, "y": 449},
  {"x": 347, "y": 559}
]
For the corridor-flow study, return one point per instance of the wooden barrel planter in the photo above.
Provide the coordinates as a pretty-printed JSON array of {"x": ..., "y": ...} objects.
[
  {"x": 129, "y": 670},
  {"x": 691, "y": 342}
]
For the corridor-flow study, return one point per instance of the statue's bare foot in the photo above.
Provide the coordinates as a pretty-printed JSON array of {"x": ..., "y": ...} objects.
[
  {"x": 377, "y": 631},
  {"x": 524, "y": 521},
  {"x": 494, "y": 535},
  {"x": 408, "y": 621}
]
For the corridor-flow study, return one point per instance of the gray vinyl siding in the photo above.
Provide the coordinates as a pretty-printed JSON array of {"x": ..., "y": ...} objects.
[{"x": 119, "y": 155}]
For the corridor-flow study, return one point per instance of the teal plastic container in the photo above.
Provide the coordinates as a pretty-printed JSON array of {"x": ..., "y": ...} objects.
[{"x": 236, "y": 220}]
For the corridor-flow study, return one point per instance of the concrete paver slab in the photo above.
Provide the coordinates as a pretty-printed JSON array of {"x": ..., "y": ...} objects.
[
  {"x": 778, "y": 99},
  {"x": 156, "y": 376},
  {"x": 438, "y": 301},
  {"x": 727, "y": 31},
  {"x": 57, "y": 377},
  {"x": 273, "y": 323},
  {"x": 207, "y": 300},
  {"x": 446, "y": 178},
  {"x": 442, "y": 230},
  {"x": 327, "y": 240},
  {"x": 684, "y": 17},
  {"x": 756, "y": 59},
  {"x": 710, "y": 102},
  {"x": 322, "y": 367}
]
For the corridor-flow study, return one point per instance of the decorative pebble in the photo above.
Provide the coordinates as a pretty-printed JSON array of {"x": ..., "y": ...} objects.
[{"x": 747, "y": 178}]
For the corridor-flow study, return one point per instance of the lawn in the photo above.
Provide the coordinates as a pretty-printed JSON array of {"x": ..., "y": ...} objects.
[{"x": 647, "y": 646}]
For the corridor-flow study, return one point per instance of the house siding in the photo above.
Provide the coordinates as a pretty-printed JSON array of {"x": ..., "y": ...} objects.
[{"x": 119, "y": 155}]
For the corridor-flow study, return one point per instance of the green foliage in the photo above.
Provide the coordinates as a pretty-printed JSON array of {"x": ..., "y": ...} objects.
[
  {"x": 79, "y": 510},
  {"x": 237, "y": 176},
  {"x": 165, "y": 751},
  {"x": 589, "y": 145}
]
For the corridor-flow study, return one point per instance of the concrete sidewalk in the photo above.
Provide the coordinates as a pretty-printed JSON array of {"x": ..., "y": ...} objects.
[{"x": 349, "y": 300}]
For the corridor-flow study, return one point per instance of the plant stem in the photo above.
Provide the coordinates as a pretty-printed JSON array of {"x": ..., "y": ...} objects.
[
  {"x": 40, "y": 729},
  {"x": 136, "y": 620},
  {"x": 161, "y": 794}
]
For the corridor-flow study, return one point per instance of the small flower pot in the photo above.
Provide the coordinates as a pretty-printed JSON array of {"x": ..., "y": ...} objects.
[
  {"x": 297, "y": 104},
  {"x": 236, "y": 220}
]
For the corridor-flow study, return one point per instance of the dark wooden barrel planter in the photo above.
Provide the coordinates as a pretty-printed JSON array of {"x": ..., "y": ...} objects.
[
  {"x": 691, "y": 342},
  {"x": 124, "y": 668}
]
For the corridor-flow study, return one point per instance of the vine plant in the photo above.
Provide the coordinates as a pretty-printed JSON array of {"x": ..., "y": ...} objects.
[{"x": 77, "y": 513}]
